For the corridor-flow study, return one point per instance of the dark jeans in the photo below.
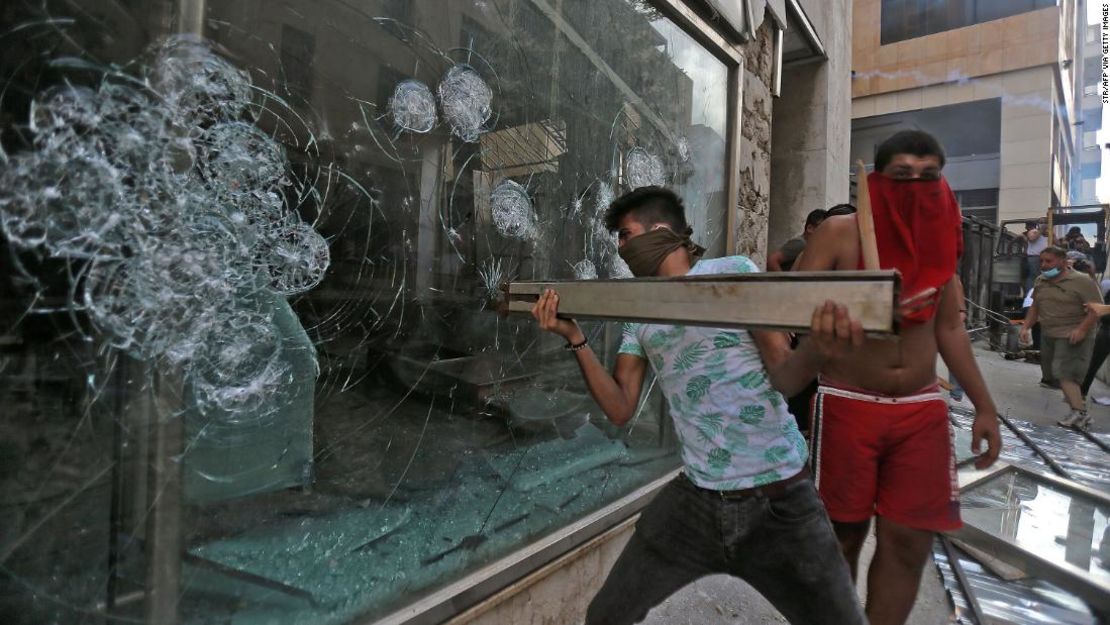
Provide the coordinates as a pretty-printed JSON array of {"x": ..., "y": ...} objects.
[
  {"x": 1032, "y": 270},
  {"x": 1102, "y": 350},
  {"x": 784, "y": 547},
  {"x": 801, "y": 404}
]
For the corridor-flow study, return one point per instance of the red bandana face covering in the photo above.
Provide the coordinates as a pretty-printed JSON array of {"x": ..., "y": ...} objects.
[{"x": 919, "y": 231}]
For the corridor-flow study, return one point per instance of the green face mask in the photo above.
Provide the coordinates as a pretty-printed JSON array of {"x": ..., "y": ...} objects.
[{"x": 646, "y": 252}]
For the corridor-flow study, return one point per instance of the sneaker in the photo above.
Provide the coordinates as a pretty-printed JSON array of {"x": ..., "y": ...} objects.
[
  {"x": 1074, "y": 418},
  {"x": 1102, "y": 401},
  {"x": 1084, "y": 422}
]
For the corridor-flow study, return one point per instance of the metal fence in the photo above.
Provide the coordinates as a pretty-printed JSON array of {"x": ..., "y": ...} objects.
[
  {"x": 991, "y": 271},
  {"x": 976, "y": 268}
]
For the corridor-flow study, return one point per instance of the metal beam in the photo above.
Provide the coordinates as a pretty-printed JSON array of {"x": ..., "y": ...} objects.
[
  {"x": 495, "y": 576},
  {"x": 735, "y": 105},
  {"x": 163, "y": 544},
  {"x": 1069, "y": 577},
  {"x": 595, "y": 59},
  {"x": 808, "y": 29},
  {"x": 699, "y": 29},
  {"x": 961, "y": 579},
  {"x": 770, "y": 301},
  {"x": 1049, "y": 460},
  {"x": 1094, "y": 592}
]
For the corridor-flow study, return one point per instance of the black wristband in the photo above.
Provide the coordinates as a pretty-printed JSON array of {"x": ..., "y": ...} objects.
[{"x": 570, "y": 347}]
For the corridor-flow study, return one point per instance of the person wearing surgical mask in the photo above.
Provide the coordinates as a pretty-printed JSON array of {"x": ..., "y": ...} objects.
[{"x": 1060, "y": 298}]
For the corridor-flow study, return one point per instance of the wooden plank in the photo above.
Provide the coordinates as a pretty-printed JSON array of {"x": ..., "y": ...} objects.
[
  {"x": 779, "y": 301},
  {"x": 869, "y": 246}
]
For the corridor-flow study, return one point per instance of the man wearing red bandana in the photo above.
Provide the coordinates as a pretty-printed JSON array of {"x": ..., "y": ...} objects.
[{"x": 881, "y": 441}]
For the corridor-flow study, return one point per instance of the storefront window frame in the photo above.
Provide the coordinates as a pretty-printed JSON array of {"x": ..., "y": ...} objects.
[
  {"x": 164, "y": 543},
  {"x": 464, "y": 594}
]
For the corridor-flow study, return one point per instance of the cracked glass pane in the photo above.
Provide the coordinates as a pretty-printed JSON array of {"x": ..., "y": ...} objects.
[
  {"x": 250, "y": 364},
  {"x": 1051, "y": 522}
]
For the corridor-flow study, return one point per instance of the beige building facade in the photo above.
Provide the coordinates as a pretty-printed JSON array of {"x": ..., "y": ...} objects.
[{"x": 996, "y": 83}]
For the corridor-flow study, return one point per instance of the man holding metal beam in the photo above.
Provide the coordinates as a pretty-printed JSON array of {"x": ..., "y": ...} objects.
[
  {"x": 881, "y": 438},
  {"x": 744, "y": 504}
]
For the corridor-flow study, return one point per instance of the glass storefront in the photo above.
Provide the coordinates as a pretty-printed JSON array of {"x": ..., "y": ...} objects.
[{"x": 251, "y": 369}]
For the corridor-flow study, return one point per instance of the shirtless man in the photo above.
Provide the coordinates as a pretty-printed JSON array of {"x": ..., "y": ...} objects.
[{"x": 881, "y": 439}]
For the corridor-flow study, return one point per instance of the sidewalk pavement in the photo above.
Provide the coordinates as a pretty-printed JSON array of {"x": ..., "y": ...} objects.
[
  {"x": 1013, "y": 384},
  {"x": 1015, "y": 387}
]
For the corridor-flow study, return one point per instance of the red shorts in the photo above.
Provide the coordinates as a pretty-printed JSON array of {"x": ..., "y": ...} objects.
[{"x": 891, "y": 456}]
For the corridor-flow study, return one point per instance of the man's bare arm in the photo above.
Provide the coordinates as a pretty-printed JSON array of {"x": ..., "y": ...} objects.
[
  {"x": 955, "y": 348},
  {"x": 617, "y": 393},
  {"x": 774, "y": 261},
  {"x": 832, "y": 332},
  {"x": 833, "y": 245}
]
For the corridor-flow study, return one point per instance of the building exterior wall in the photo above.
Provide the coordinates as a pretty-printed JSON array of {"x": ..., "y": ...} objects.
[
  {"x": 1008, "y": 44},
  {"x": 1025, "y": 158},
  {"x": 1023, "y": 60},
  {"x": 558, "y": 593},
  {"x": 1090, "y": 116},
  {"x": 755, "y": 147},
  {"x": 812, "y": 126}
]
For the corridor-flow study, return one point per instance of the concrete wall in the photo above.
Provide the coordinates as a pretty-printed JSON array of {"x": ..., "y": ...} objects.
[
  {"x": 755, "y": 147},
  {"x": 1013, "y": 43},
  {"x": 559, "y": 593},
  {"x": 811, "y": 126},
  {"x": 1025, "y": 153}
]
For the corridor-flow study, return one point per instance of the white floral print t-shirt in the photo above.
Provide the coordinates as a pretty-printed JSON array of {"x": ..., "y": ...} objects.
[{"x": 734, "y": 428}]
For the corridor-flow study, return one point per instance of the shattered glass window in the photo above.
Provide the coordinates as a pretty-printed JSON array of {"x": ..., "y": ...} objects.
[
  {"x": 1053, "y": 523},
  {"x": 251, "y": 368}
]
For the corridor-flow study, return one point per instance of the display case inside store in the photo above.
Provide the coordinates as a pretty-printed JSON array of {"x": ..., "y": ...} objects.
[{"x": 249, "y": 367}]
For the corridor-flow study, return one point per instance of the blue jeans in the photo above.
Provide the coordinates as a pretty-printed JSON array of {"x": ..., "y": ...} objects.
[
  {"x": 784, "y": 547},
  {"x": 1033, "y": 269},
  {"x": 957, "y": 392}
]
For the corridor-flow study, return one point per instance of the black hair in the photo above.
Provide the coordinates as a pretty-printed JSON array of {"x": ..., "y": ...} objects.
[
  {"x": 840, "y": 209},
  {"x": 916, "y": 142},
  {"x": 815, "y": 217},
  {"x": 1085, "y": 266},
  {"x": 649, "y": 206},
  {"x": 1058, "y": 252}
]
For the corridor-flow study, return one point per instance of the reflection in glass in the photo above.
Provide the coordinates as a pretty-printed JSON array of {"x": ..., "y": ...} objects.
[
  {"x": 248, "y": 362},
  {"x": 1053, "y": 523}
]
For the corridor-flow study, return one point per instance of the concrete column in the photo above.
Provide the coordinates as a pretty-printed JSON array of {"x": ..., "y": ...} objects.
[{"x": 811, "y": 127}]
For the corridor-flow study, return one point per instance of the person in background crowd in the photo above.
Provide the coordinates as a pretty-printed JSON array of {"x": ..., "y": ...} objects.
[
  {"x": 800, "y": 405},
  {"x": 840, "y": 209},
  {"x": 1035, "y": 344},
  {"x": 1085, "y": 267},
  {"x": 1075, "y": 241},
  {"x": 783, "y": 258},
  {"x": 1060, "y": 296},
  {"x": 1036, "y": 240},
  {"x": 1102, "y": 345}
]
